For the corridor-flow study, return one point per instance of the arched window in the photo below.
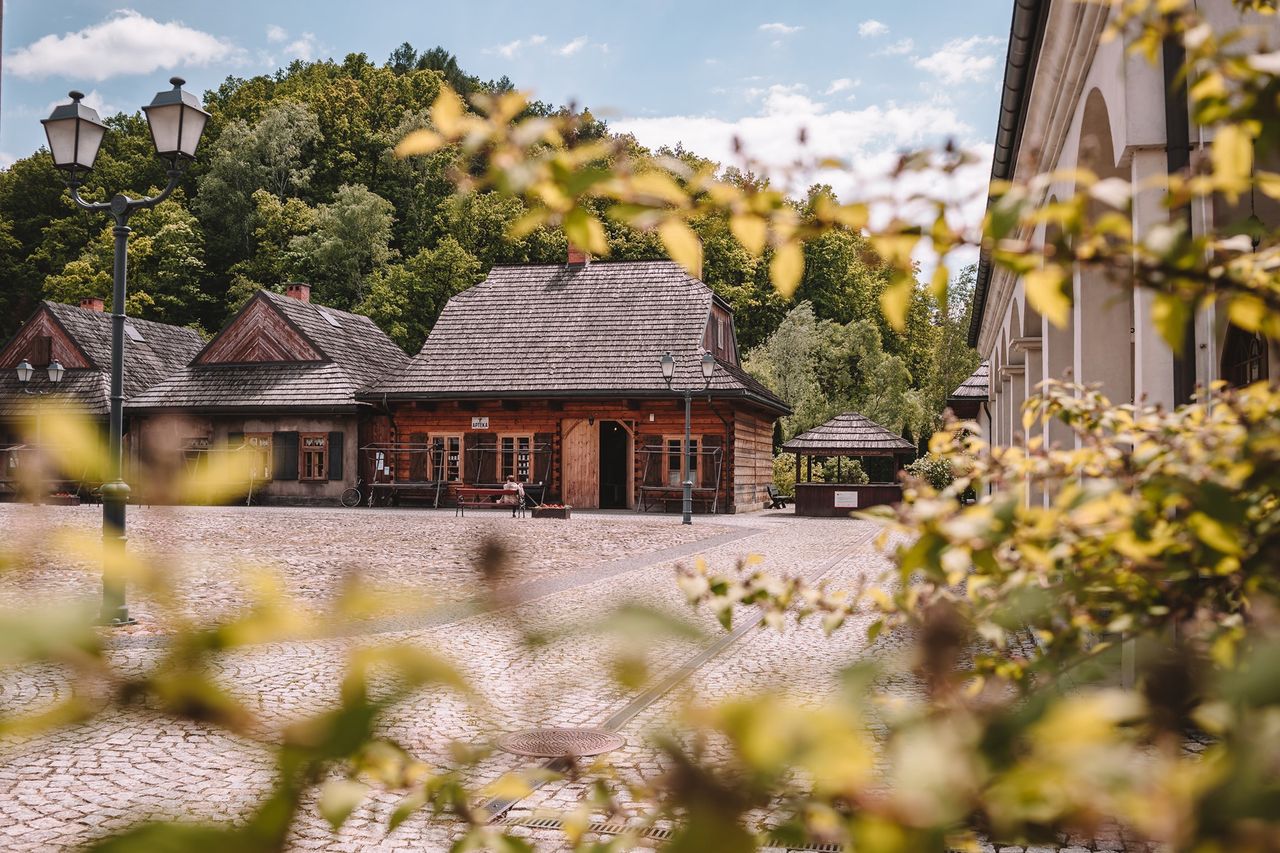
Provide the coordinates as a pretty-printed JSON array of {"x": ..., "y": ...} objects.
[{"x": 1244, "y": 357}]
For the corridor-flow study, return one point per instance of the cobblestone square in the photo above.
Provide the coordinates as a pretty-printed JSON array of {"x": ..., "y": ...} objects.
[
  {"x": 74, "y": 784},
  {"x": 71, "y": 785}
]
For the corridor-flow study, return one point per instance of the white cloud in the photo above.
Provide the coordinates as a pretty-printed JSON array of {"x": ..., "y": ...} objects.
[
  {"x": 6, "y": 160},
  {"x": 870, "y": 140},
  {"x": 961, "y": 60},
  {"x": 841, "y": 85},
  {"x": 127, "y": 42},
  {"x": 570, "y": 48},
  {"x": 898, "y": 48},
  {"x": 512, "y": 49},
  {"x": 871, "y": 28},
  {"x": 303, "y": 47},
  {"x": 276, "y": 33},
  {"x": 93, "y": 98},
  {"x": 535, "y": 40},
  {"x": 780, "y": 28}
]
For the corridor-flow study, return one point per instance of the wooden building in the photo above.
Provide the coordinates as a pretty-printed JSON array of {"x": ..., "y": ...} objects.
[
  {"x": 78, "y": 339},
  {"x": 970, "y": 399},
  {"x": 553, "y": 373},
  {"x": 847, "y": 435},
  {"x": 281, "y": 379}
]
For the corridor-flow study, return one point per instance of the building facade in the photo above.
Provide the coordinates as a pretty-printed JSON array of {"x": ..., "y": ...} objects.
[
  {"x": 553, "y": 374},
  {"x": 279, "y": 380},
  {"x": 1074, "y": 100},
  {"x": 78, "y": 338}
]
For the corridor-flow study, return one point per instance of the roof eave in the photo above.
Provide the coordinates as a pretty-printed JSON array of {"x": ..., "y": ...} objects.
[{"x": 1026, "y": 33}]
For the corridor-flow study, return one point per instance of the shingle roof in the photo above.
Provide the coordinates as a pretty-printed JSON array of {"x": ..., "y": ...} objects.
[
  {"x": 849, "y": 434},
  {"x": 154, "y": 353},
  {"x": 558, "y": 330},
  {"x": 356, "y": 351},
  {"x": 976, "y": 387}
]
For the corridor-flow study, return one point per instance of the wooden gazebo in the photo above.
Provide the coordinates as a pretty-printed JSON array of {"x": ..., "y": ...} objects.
[{"x": 846, "y": 435}]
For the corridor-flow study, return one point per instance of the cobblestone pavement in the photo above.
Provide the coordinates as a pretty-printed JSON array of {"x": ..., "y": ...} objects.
[
  {"x": 428, "y": 553},
  {"x": 68, "y": 787}
]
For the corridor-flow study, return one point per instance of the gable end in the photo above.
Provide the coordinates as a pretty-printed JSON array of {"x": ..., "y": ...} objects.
[{"x": 259, "y": 334}]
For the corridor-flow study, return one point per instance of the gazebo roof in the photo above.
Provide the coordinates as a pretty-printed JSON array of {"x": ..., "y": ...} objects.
[
  {"x": 850, "y": 434},
  {"x": 976, "y": 386}
]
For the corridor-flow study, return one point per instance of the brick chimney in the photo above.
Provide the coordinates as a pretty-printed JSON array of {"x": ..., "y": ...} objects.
[
  {"x": 298, "y": 290},
  {"x": 92, "y": 303},
  {"x": 578, "y": 257}
]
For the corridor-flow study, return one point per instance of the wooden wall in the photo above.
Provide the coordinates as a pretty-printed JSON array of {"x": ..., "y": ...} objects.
[
  {"x": 42, "y": 338},
  {"x": 753, "y": 454},
  {"x": 259, "y": 334},
  {"x": 647, "y": 419}
]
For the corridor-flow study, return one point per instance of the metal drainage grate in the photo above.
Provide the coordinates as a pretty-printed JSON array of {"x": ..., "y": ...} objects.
[
  {"x": 554, "y": 743},
  {"x": 656, "y": 833}
]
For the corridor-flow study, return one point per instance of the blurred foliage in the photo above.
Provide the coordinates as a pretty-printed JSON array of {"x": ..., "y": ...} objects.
[{"x": 1157, "y": 527}]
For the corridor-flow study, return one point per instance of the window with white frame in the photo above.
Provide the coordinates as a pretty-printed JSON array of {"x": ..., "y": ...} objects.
[{"x": 516, "y": 452}]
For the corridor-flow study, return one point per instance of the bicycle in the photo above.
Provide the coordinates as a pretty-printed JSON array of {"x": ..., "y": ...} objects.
[{"x": 353, "y": 496}]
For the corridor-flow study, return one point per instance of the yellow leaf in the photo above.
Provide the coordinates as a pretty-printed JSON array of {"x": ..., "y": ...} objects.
[
  {"x": 339, "y": 798},
  {"x": 446, "y": 112},
  {"x": 1269, "y": 183},
  {"x": 1247, "y": 312},
  {"x": 1213, "y": 533},
  {"x": 787, "y": 268},
  {"x": 1169, "y": 315},
  {"x": 1232, "y": 158},
  {"x": 749, "y": 230},
  {"x": 682, "y": 245},
  {"x": 938, "y": 284},
  {"x": 585, "y": 231},
  {"x": 1044, "y": 287},
  {"x": 894, "y": 302},
  {"x": 510, "y": 786},
  {"x": 659, "y": 185},
  {"x": 419, "y": 142}
]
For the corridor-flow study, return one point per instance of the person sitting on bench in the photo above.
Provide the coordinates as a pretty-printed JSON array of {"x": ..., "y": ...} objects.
[{"x": 514, "y": 493}]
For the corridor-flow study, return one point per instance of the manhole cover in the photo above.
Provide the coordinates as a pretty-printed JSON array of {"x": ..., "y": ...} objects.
[{"x": 553, "y": 743}]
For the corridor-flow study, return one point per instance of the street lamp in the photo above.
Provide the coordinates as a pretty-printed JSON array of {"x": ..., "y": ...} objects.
[
  {"x": 25, "y": 371},
  {"x": 75, "y": 134},
  {"x": 708, "y": 365}
]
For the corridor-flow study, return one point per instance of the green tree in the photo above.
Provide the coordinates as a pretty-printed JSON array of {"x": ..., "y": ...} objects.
[
  {"x": 350, "y": 242},
  {"x": 272, "y": 154},
  {"x": 166, "y": 267},
  {"x": 273, "y": 261},
  {"x": 405, "y": 299}
]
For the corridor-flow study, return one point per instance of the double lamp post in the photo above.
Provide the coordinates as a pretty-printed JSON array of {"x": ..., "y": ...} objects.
[
  {"x": 75, "y": 132},
  {"x": 708, "y": 365}
]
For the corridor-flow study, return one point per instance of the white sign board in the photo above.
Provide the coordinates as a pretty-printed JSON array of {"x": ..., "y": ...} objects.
[
  {"x": 480, "y": 423},
  {"x": 847, "y": 499}
]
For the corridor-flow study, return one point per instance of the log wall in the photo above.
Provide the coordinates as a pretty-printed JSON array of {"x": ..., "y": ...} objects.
[
  {"x": 647, "y": 419},
  {"x": 753, "y": 454}
]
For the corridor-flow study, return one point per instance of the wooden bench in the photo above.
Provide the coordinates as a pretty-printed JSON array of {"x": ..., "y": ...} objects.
[{"x": 475, "y": 498}]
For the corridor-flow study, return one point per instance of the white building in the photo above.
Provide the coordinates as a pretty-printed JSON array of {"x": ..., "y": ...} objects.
[{"x": 1072, "y": 100}]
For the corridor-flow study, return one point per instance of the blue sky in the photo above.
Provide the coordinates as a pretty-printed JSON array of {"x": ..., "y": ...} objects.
[{"x": 867, "y": 79}]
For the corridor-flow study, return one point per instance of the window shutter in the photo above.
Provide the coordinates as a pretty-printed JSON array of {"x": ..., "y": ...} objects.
[
  {"x": 418, "y": 457},
  {"x": 471, "y": 454},
  {"x": 652, "y": 449},
  {"x": 42, "y": 350},
  {"x": 487, "y": 458},
  {"x": 335, "y": 455},
  {"x": 709, "y": 459},
  {"x": 284, "y": 452}
]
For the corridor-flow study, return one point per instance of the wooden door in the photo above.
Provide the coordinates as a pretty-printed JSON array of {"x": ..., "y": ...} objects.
[{"x": 580, "y": 462}]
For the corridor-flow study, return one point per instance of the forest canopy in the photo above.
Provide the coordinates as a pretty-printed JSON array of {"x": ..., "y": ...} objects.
[{"x": 297, "y": 180}]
